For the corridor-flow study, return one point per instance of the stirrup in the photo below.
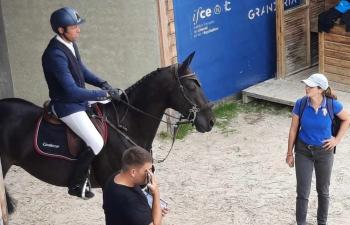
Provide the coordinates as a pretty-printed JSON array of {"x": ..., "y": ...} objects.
[{"x": 87, "y": 188}]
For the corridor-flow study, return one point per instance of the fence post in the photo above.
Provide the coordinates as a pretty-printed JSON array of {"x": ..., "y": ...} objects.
[{"x": 3, "y": 204}]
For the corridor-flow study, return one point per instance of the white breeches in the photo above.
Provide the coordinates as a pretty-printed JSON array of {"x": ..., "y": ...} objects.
[{"x": 81, "y": 124}]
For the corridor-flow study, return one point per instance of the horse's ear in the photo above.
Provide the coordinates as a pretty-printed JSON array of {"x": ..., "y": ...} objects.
[{"x": 185, "y": 64}]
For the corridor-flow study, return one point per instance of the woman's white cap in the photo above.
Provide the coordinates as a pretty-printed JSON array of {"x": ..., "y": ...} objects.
[{"x": 317, "y": 80}]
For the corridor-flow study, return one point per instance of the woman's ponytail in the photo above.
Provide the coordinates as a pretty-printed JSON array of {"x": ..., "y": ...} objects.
[{"x": 329, "y": 93}]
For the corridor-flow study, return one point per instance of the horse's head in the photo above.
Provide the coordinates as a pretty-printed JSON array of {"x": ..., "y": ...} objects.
[{"x": 189, "y": 99}]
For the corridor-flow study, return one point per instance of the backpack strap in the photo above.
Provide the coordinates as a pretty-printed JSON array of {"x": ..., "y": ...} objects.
[
  {"x": 329, "y": 104},
  {"x": 302, "y": 107},
  {"x": 301, "y": 111},
  {"x": 330, "y": 109}
]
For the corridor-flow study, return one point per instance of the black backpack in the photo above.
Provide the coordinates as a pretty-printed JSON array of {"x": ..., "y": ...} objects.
[{"x": 334, "y": 118}]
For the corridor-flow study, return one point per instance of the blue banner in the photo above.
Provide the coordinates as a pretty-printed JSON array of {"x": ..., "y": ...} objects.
[{"x": 235, "y": 42}]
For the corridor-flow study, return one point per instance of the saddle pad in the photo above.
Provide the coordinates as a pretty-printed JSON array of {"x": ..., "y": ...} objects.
[{"x": 51, "y": 140}]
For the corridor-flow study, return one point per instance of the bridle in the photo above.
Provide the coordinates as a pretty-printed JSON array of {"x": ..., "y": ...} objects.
[
  {"x": 183, "y": 119},
  {"x": 192, "y": 112}
]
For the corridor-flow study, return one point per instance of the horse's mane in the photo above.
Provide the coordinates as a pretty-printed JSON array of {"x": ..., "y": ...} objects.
[{"x": 141, "y": 81}]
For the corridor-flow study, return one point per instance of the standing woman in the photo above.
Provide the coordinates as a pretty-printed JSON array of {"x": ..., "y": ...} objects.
[{"x": 311, "y": 136}]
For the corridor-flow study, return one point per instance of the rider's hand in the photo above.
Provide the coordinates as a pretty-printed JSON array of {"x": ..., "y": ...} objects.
[
  {"x": 290, "y": 160},
  {"x": 114, "y": 94},
  {"x": 106, "y": 86}
]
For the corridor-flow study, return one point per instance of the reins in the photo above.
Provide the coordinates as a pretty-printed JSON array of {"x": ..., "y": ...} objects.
[{"x": 191, "y": 117}]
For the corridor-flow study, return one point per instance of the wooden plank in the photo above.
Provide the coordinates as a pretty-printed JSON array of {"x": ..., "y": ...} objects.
[
  {"x": 296, "y": 10},
  {"x": 281, "y": 48},
  {"x": 337, "y": 38},
  {"x": 335, "y": 46},
  {"x": 337, "y": 62},
  {"x": 316, "y": 7},
  {"x": 297, "y": 40},
  {"x": 308, "y": 35},
  {"x": 337, "y": 70},
  {"x": 338, "y": 78},
  {"x": 172, "y": 28},
  {"x": 339, "y": 29},
  {"x": 165, "y": 55},
  {"x": 170, "y": 4},
  {"x": 337, "y": 55},
  {"x": 321, "y": 47}
]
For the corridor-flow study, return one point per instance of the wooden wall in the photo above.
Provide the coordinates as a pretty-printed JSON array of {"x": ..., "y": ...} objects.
[
  {"x": 167, "y": 35},
  {"x": 316, "y": 7},
  {"x": 293, "y": 39},
  {"x": 334, "y": 56}
]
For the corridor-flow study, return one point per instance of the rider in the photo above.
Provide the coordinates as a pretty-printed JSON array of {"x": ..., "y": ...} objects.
[{"x": 66, "y": 75}]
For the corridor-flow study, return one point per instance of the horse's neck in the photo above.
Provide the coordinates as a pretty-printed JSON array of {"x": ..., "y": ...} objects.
[
  {"x": 150, "y": 96},
  {"x": 143, "y": 127}
]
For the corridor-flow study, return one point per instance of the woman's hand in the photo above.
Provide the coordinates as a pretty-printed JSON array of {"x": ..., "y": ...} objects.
[
  {"x": 329, "y": 144},
  {"x": 290, "y": 159}
]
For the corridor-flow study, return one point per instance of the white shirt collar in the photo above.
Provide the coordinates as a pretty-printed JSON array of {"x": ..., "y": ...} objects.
[{"x": 68, "y": 44}]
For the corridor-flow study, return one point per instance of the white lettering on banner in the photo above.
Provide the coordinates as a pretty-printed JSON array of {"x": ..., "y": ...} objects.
[
  {"x": 269, "y": 8},
  {"x": 200, "y": 14}
]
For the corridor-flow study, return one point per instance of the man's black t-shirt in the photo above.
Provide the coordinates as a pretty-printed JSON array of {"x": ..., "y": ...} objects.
[{"x": 125, "y": 205}]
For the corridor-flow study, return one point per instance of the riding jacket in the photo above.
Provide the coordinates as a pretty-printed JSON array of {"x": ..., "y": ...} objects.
[{"x": 66, "y": 75}]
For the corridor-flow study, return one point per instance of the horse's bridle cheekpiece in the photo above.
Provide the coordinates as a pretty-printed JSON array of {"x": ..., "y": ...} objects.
[{"x": 192, "y": 112}]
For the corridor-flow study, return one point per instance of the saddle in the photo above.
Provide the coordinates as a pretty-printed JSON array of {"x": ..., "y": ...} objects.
[{"x": 53, "y": 138}]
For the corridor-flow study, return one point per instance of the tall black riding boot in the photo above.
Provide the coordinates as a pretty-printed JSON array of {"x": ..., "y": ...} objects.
[{"x": 79, "y": 179}]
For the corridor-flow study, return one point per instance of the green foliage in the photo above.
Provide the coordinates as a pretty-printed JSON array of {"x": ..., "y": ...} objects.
[
  {"x": 261, "y": 106},
  {"x": 184, "y": 130},
  {"x": 225, "y": 112},
  {"x": 164, "y": 135}
]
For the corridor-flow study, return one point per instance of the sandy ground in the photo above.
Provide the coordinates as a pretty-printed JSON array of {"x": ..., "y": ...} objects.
[{"x": 237, "y": 176}]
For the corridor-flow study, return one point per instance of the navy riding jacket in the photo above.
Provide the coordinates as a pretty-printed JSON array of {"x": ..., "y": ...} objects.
[{"x": 66, "y": 75}]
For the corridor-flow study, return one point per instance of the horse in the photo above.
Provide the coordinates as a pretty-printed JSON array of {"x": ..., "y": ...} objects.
[{"x": 175, "y": 87}]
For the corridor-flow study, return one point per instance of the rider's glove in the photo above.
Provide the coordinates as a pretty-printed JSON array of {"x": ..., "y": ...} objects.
[
  {"x": 106, "y": 86},
  {"x": 114, "y": 94}
]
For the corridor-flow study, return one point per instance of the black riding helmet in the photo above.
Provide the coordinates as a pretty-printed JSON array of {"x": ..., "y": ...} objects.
[{"x": 64, "y": 17}]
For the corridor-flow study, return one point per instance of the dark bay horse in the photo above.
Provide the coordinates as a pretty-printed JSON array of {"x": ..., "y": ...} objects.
[{"x": 173, "y": 87}]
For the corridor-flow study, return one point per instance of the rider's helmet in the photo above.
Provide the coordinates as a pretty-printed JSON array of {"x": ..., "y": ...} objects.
[{"x": 64, "y": 17}]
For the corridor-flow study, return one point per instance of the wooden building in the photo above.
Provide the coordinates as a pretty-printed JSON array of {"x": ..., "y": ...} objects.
[{"x": 301, "y": 47}]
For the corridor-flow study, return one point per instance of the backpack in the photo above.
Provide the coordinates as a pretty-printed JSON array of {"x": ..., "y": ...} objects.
[{"x": 334, "y": 118}]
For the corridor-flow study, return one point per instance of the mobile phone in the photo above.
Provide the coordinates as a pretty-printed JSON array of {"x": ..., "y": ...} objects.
[
  {"x": 163, "y": 204},
  {"x": 148, "y": 178}
]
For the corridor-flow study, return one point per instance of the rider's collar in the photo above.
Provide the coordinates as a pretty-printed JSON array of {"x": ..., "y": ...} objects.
[{"x": 69, "y": 45}]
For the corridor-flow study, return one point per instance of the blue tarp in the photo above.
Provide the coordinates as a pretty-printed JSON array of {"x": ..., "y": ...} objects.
[{"x": 235, "y": 42}]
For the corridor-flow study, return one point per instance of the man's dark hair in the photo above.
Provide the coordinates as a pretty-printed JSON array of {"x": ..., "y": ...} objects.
[{"x": 135, "y": 156}]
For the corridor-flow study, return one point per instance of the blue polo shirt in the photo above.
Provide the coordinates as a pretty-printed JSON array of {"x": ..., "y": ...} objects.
[{"x": 316, "y": 125}]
